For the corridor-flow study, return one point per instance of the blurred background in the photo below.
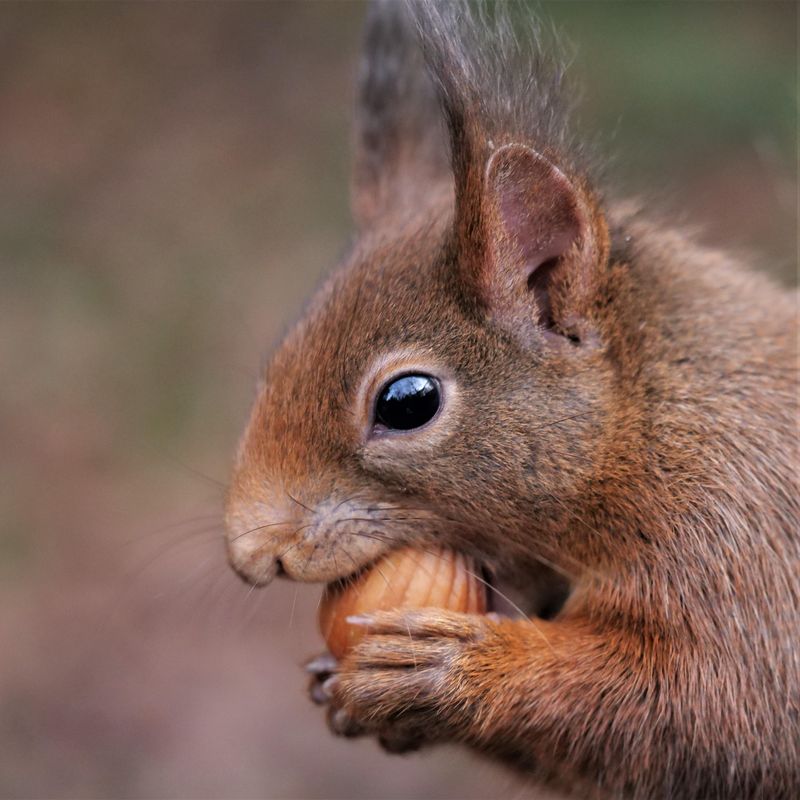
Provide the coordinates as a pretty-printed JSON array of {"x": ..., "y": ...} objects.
[{"x": 172, "y": 184}]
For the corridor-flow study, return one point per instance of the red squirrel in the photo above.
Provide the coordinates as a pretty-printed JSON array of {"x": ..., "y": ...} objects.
[{"x": 599, "y": 411}]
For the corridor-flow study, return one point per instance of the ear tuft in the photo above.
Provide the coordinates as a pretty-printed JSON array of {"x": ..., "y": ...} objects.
[{"x": 400, "y": 150}]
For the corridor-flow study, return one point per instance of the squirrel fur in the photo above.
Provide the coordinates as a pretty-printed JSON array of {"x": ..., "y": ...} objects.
[{"x": 617, "y": 442}]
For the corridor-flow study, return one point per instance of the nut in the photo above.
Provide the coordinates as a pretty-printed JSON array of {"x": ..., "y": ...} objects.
[{"x": 407, "y": 578}]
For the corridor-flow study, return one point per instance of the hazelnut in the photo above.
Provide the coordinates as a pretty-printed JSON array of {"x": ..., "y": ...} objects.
[{"x": 406, "y": 578}]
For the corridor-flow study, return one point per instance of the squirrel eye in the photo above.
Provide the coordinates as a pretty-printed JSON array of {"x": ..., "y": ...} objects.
[{"x": 408, "y": 402}]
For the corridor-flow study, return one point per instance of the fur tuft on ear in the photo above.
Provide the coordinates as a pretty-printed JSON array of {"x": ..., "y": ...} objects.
[
  {"x": 400, "y": 144},
  {"x": 497, "y": 82},
  {"x": 529, "y": 235}
]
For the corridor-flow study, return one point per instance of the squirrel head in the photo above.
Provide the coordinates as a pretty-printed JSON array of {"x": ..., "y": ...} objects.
[{"x": 448, "y": 382}]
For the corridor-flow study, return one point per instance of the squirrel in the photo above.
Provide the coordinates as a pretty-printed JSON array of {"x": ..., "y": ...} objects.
[{"x": 600, "y": 411}]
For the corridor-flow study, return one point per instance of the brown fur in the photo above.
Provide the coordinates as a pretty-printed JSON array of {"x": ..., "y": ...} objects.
[{"x": 620, "y": 414}]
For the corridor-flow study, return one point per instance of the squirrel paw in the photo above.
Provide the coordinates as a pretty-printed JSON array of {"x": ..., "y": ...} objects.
[
  {"x": 321, "y": 686},
  {"x": 401, "y": 682},
  {"x": 324, "y": 679}
]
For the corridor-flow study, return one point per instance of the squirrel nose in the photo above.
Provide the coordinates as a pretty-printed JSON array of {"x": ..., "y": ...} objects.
[
  {"x": 262, "y": 526},
  {"x": 253, "y": 565},
  {"x": 256, "y": 551}
]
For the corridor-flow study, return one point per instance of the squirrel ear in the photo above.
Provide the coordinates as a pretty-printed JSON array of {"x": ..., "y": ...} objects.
[
  {"x": 541, "y": 244},
  {"x": 400, "y": 145}
]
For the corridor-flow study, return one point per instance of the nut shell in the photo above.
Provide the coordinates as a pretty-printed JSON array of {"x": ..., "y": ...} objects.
[{"x": 406, "y": 578}]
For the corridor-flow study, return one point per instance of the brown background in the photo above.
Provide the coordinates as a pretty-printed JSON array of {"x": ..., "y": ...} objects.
[{"x": 172, "y": 184}]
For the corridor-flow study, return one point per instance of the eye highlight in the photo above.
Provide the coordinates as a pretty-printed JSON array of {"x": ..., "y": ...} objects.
[{"x": 407, "y": 402}]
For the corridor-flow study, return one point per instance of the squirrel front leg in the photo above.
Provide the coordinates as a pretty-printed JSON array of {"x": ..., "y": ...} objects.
[{"x": 557, "y": 698}]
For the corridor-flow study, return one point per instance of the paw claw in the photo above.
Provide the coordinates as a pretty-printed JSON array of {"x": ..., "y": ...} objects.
[
  {"x": 362, "y": 620},
  {"x": 322, "y": 664},
  {"x": 322, "y": 670},
  {"x": 318, "y": 694},
  {"x": 342, "y": 724}
]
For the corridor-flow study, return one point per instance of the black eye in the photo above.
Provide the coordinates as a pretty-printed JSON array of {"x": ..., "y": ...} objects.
[{"x": 408, "y": 402}]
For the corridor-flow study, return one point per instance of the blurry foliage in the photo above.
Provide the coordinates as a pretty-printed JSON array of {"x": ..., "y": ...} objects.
[{"x": 681, "y": 81}]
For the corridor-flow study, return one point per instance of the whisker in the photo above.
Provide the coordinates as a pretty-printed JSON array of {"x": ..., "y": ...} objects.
[
  {"x": 164, "y": 551},
  {"x": 340, "y": 504},
  {"x": 196, "y": 472},
  {"x": 221, "y": 588},
  {"x": 173, "y": 525},
  {"x": 574, "y": 516},
  {"x": 413, "y": 654},
  {"x": 376, "y": 518},
  {"x": 562, "y": 419},
  {"x": 259, "y": 528},
  {"x": 294, "y": 603},
  {"x": 302, "y": 505}
]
